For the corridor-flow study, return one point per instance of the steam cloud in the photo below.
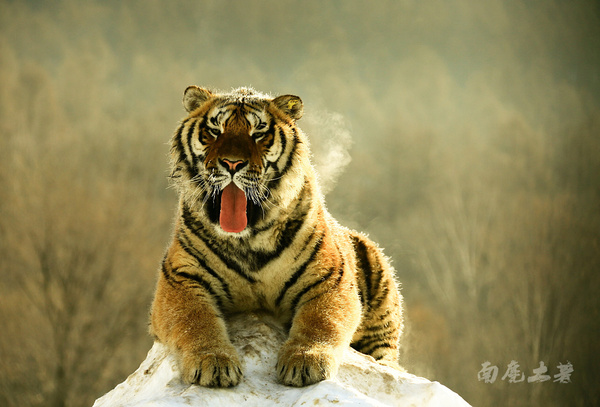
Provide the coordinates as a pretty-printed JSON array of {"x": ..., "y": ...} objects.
[{"x": 331, "y": 141}]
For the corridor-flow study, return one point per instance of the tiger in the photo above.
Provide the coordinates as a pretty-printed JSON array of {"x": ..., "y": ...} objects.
[{"x": 252, "y": 233}]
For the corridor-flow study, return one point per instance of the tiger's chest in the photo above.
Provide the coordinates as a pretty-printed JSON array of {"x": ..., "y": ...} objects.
[
  {"x": 266, "y": 265},
  {"x": 261, "y": 274},
  {"x": 260, "y": 289}
]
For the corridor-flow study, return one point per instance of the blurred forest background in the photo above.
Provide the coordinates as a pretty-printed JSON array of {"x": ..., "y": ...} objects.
[{"x": 463, "y": 135}]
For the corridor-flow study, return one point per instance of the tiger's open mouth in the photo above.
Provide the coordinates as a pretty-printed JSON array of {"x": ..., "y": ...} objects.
[
  {"x": 233, "y": 216},
  {"x": 232, "y": 209}
]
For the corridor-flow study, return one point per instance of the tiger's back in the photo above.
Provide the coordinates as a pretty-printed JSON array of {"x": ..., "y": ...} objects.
[{"x": 252, "y": 232}]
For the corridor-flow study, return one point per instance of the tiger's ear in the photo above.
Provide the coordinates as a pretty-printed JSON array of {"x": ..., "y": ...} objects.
[
  {"x": 194, "y": 97},
  {"x": 290, "y": 105}
]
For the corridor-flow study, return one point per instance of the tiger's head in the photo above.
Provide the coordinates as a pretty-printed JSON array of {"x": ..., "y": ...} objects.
[{"x": 233, "y": 153}]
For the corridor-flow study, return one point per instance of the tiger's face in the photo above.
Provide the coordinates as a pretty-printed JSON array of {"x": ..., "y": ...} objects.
[{"x": 232, "y": 149}]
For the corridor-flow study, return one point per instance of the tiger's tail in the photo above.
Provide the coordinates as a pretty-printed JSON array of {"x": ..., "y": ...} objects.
[{"x": 382, "y": 323}]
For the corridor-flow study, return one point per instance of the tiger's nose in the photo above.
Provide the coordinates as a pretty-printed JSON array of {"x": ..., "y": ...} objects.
[{"x": 233, "y": 166}]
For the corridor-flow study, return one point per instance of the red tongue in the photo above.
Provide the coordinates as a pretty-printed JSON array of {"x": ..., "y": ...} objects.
[{"x": 233, "y": 209}]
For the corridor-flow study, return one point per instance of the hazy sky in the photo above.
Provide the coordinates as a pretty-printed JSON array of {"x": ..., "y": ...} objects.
[{"x": 457, "y": 70}]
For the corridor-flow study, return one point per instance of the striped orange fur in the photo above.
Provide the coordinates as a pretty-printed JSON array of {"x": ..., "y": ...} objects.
[{"x": 252, "y": 233}]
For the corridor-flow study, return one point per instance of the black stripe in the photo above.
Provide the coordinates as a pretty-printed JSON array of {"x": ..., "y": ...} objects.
[
  {"x": 374, "y": 348},
  {"x": 203, "y": 133},
  {"x": 167, "y": 274},
  {"x": 279, "y": 132},
  {"x": 364, "y": 267},
  {"x": 178, "y": 149},
  {"x": 288, "y": 163},
  {"x": 272, "y": 132},
  {"x": 292, "y": 226},
  {"x": 203, "y": 283},
  {"x": 377, "y": 274},
  {"x": 231, "y": 263},
  {"x": 271, "y": 141},
  {"x": 274, "y": 184},
  {"x": 382, "y": 326},
  {"x": 170, "y": 274},
  {"x": 177, "y": 145},
  {"x": 293, "y": 221},
  {"x": 380, "y": 297},
  {"x": 271, "y": 164},
  {"x": 296, "y": 300},
  {"x": 366, "y": 341},
  {"x": 229, "y": 104},
  {"x": 294, "y": 278},
  {"x": 190, "y": 134},
  {"x": 257, "y": 108},
  {"x": 192, "y": 251},
  {"x": 196, "y": 227}
]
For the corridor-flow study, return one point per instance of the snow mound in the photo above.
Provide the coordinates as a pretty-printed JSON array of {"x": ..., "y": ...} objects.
[{"x": 360, "y": 380}]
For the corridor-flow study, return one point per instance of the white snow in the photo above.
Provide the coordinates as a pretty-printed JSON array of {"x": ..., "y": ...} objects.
[{"x": 360, "y": 381}]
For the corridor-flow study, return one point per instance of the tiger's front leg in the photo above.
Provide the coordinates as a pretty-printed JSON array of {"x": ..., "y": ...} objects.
[
  {"x": 186, "y": 319},
  {"x": 321, "y": 330}
]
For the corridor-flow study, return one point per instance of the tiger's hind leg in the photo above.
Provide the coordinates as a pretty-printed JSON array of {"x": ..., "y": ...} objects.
[
  {"x": 381, "y": 327},
  {"x": 379, "y": 337}
]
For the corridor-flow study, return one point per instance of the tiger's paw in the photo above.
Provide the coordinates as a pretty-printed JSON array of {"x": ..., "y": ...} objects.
[
  {"x": 212, "y": 369},
  {"x": 300, "y": 365}
]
